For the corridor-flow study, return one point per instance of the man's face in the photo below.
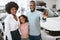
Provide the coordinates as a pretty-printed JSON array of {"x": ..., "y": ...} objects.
[{"x": 32, "y": 6}]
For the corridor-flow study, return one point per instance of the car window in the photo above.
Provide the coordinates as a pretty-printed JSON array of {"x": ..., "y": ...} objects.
[{"x": 52, "y": 13}]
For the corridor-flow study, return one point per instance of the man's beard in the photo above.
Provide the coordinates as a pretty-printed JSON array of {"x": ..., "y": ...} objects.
[{"x": 32, "y": 10}]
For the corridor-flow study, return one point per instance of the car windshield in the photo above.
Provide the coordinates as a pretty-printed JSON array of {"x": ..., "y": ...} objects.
[{"x": 52, "y": 13}]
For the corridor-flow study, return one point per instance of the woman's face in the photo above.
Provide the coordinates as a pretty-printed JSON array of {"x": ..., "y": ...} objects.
[
  {"x": 13, "y": 10},
  {"x": 22, "y": 19}
]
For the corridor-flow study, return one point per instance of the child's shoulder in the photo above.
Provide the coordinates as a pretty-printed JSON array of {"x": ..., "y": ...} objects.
[{"x": 26, "y": 23}]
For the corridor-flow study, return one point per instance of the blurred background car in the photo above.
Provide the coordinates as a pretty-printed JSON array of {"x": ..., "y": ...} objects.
[{"x": 3, "y": 15}]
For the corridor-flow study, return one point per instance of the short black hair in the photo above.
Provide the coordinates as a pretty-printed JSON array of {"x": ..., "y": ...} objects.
[
  {"x": 10, "y": 5},
  {"x": 26, "y": 19},
  {"x": 32, "y": 1}
]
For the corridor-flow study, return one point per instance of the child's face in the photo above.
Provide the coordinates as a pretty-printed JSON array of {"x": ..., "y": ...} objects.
[{"x": 22, "y": 19}]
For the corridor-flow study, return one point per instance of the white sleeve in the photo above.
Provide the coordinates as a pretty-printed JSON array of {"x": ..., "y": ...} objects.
[{"x": 7, "y": 29}]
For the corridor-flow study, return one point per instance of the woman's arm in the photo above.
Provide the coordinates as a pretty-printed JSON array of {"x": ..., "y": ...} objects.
[{"x": 7, "y": 28}]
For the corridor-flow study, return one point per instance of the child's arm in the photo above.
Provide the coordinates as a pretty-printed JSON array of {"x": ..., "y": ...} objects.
[{"x": 27, "y": 28}]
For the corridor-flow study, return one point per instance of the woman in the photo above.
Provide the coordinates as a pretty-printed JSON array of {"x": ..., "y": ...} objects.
[{"x": 12, "y": 22}]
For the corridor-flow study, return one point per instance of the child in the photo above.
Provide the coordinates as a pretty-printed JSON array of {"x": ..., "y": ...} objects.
[{"x": 24, "y": 26}]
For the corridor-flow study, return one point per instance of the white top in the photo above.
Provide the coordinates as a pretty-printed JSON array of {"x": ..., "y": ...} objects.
[
  {"x": 52, "y": 24},
  {"x": 10, "y": 25}
]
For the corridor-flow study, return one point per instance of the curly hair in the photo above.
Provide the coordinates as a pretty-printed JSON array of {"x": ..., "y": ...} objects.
[
  {"x": 26, "y": 19},
  {"x": 10, "y": 5}
]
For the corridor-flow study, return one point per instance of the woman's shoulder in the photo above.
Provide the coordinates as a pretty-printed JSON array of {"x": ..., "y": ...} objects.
[{"x": 8, "y": 17}]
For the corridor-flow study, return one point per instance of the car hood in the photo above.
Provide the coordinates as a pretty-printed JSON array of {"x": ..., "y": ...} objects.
[{"x": 52, "y": 24}]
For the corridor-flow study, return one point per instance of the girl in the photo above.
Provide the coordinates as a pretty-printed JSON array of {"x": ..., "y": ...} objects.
[
  {"x": 24, "y": 26},
  {"x": 11, "y": 22}
]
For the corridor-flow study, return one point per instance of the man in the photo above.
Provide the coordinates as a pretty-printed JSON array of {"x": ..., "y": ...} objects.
[{"x": 34, "y": 18}]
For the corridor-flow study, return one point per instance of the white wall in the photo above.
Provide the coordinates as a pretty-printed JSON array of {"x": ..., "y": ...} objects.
[
  {"x": 26, "y": 2},
  {"x": 50, "y": 2},
  {"x": 58, "y": 4}
]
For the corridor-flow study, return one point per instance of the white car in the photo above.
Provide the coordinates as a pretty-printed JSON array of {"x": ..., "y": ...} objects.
[
  {"x": 51, "y": 26},
  {"x": 51, "y": 29}
]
